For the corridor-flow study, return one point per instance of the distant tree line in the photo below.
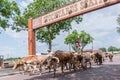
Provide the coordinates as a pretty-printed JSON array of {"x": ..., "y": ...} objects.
[
  {"x": 110, "y": 49},
  {"x": 12, "y": 59}
]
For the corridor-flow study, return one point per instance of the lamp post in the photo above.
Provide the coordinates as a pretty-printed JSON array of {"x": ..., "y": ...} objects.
[
  {"x": 92, "y": 45},
  {"x": 69, "y": 44}
]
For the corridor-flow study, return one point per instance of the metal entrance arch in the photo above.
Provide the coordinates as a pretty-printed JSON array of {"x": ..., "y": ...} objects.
[{"x": 71, "y": 10}]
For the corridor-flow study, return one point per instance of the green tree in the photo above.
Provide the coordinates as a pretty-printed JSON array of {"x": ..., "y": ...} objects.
[
  {"x": 84, "y": 37},
  {"x": 37, "y": 8},
  {"x": 112, "y": 48},
  {"x": 103, "y": 49},
  {"x": 8, "y": 10},
  {"x": 118, "y": 49},
  {"x": 12, "y": 59},
  {"x": 71, "y": 39}
]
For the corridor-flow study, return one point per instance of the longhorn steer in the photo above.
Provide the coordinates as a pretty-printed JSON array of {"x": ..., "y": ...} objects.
[
  {"x": 29, "y": 63},
  {"x": 110, "y": 56},
  {"x": 98, "y": 58},
  {"x": 52, "y": 63},
  {"x": 81, "y": 60},
  {"x": 65, "y": 58}
]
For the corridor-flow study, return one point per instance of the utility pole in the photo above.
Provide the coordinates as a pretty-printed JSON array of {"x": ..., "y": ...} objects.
[
  {"x": 92, "y": 45},
  {"x": 69, "y": 44}
]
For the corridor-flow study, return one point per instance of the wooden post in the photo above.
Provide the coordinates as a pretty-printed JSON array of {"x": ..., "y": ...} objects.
[
  {"x": 31, "y": 39},
  {"x": 78, "y": 8}
]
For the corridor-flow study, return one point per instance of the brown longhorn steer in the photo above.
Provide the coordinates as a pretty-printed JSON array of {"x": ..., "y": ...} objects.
[
  {"x": 64, "y": 57},
  {"x": 110, "y": 56}
]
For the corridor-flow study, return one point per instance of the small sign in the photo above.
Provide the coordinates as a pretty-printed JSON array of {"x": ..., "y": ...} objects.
[{"x": 37, "y": 22}]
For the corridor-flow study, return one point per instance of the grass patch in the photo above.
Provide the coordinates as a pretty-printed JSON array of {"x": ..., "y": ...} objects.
[{"x": 117, "y": 54}]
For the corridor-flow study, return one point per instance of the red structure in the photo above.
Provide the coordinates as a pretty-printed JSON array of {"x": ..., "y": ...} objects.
[
  {"x": 74, "y": 9},
  {"x": 31, "y": 39}
]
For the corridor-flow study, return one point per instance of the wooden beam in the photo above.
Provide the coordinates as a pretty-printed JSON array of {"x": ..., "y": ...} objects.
[{"x": 31, "y": 39}]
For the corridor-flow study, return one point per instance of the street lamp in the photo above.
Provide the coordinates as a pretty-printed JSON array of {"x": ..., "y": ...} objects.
[{"x": 92, "y": 45}]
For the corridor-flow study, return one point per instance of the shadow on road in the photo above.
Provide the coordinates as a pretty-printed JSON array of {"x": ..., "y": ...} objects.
[{"x": 103, "y": 72}]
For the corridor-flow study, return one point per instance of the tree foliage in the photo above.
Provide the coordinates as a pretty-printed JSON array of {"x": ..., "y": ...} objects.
[
  {"x": 12, "y": 59},
  {"x": 103, "y": 49},
  {"x": 112, "y": 49},
  {"x": 7, "y": 12},
  {"x": 39, "y": 7},
  {"x": 71, "y": 39},
  {"x": 84, "y": 37}
]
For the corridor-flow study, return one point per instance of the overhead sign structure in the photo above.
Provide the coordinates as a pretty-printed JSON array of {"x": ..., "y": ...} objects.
[{"x": 71, "y": 10}]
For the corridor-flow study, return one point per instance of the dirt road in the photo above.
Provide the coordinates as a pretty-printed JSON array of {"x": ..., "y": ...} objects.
[{"x": 107, "y": 71}]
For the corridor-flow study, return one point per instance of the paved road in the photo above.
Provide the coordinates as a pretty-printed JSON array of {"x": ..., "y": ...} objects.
[
  {"x": 7, "y": 70},
  {"x": 107, "y": 71}
]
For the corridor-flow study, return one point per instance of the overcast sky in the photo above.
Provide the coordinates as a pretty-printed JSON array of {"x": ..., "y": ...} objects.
[{"x": 101, "y": 24}]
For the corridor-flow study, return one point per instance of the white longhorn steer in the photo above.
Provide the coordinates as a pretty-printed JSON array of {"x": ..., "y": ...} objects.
[{"x": 31, "y": 63}]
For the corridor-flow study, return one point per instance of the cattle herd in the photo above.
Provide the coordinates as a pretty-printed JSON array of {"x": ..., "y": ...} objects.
[{"x": 65, "y": 60}]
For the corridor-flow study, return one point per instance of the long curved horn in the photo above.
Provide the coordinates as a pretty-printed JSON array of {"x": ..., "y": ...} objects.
[{"x": 56, "y": 59}]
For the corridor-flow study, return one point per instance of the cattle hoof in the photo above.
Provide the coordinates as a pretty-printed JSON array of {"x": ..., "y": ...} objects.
[
  {"x": 75, "y": 70},
  {"x": 53, "y": 76},
  {"x": 62, "y": 74},
  {"x": 30, "y": 74},
  {"x": 40, "y": 74}
]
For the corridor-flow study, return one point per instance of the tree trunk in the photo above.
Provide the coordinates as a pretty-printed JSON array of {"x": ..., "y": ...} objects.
[
  {"x": 49, "y": 39},
  {"x": 49, "y": 46}
]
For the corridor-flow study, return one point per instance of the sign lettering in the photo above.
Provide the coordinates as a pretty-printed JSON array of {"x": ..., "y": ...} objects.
[{"x": 71, "y": 10}]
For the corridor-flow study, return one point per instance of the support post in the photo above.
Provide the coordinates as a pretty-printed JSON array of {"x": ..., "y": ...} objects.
[{"x": 31, "y": 39}]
